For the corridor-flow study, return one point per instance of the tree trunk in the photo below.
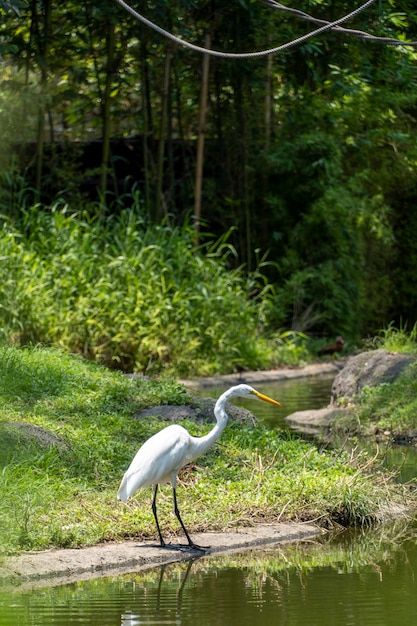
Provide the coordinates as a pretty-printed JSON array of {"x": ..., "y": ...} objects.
[
  {"x": 242, "y": 216},
  {"x": 263, "y": 226},
  {"x": 43, "y": 49},
  {"x": 147, "y": 125},
  {"x": 160, "y": 208},
  {"x": 268, "y": 101},
  {"x": 200, "y": 138},
  {"x": 106, "y": 113}
]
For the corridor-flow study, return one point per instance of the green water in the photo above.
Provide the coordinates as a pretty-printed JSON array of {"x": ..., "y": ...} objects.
[
  {"x": 356, "y": 579},
  {"x": 366, "y": 578},
  {"x": 294, "y": 395}
]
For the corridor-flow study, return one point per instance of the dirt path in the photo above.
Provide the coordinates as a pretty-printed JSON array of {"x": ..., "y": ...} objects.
[{"x": 57, "y": 567}]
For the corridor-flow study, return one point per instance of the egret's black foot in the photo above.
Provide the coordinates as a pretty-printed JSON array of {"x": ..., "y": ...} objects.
[
  {"x": 185, "y": 547},
  {"x": 194, "y": 546}
]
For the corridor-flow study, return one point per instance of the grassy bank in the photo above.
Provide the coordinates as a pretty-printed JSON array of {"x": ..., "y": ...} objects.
[
  {"x": 391, "y": 408},
  {"x": 59, "y": 489}
]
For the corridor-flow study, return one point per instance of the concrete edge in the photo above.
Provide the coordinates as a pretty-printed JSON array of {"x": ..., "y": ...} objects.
[{"x": 57, "y": 567}]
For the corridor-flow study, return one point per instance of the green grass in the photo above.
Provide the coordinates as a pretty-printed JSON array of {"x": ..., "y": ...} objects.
[
  {"x": 391, "y": 407},
  {"x": 395, "y": 339},
  {"x": 65, "y": 494},
  {"x": 136, "y": 296}
]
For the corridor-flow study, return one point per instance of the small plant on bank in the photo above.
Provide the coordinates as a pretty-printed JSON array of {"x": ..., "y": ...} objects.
[
  {"x": 395, "y": 339},
  {"x": 291, "y": 347},
  {"x": 391, "y": 407}
]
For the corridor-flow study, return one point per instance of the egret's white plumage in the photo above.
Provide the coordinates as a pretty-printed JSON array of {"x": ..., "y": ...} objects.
[
  {"x": 154, "y": 463},
  {"x": 162, "y": 456}
]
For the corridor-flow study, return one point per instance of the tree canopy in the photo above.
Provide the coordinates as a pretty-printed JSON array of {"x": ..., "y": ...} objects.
[{"x": 310, "y": 155}]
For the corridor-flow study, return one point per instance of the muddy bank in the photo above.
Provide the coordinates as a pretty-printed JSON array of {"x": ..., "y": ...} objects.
[{"x": 57, "y": 567}]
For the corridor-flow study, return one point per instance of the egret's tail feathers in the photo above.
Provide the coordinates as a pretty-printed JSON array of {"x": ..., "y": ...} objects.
[
  {"x": 123, "y": 493},
  {"x": 131, "y": 482}
]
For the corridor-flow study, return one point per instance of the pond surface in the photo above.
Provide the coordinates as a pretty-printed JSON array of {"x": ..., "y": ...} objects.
[
  {"x": 363, "y": 578},
  {"x": 356, "y": 579},
  {"x": 294, "y": 394}
]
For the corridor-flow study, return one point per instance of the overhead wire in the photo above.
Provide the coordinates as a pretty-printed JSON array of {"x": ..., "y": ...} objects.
[
  {"x": 246, "y": 55},
  {"x": 390, "y": 41}
]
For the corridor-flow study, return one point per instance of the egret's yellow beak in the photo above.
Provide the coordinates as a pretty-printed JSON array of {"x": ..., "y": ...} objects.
[{"x": 266, "y": 398}]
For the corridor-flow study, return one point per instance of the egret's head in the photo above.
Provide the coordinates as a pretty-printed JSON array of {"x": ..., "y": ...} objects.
[{"x": 246, "y": 391}]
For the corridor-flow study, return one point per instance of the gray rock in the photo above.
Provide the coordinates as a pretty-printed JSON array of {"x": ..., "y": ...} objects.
[
  {"x": 368, "y": 369},
  {"x": 314, "y": 420},
  {"x": 18, "y": 432},
  {"x": 201, "y": 411}
]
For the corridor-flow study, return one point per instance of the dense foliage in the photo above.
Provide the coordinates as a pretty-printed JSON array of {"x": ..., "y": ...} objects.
[
  {"x": 133, "y": 296},
  {"x": 310, "y": 155}
]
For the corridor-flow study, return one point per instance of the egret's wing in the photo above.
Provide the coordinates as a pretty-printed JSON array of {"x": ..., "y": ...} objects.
[{"x": 164, "y": 453}]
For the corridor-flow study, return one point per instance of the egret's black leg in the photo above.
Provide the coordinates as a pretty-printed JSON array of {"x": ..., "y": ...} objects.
[
  {"x": 156, "y": 517},
  {"x": 191, "y": 543}
]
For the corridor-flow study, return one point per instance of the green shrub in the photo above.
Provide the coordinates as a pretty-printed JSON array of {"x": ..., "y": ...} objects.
[{"x": 128, "y": 294}]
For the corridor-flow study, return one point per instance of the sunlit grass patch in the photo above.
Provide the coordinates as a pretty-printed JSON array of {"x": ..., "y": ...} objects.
[
  {"x": 396, "y": 339},
  {"x": 61, "y": 492}
]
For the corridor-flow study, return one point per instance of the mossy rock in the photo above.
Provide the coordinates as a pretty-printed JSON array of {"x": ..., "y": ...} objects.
[{"x": 368, "y": 369}]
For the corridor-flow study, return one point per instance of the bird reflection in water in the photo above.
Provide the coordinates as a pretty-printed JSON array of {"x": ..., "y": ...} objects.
[{"x": 162, "y": 608}]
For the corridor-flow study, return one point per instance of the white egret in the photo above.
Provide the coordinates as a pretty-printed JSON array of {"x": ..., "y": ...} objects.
[{"x": 162, "y": 456}]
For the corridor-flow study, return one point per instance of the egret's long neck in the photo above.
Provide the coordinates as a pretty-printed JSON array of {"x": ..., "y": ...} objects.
[{"x": 202, "y": 444}]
